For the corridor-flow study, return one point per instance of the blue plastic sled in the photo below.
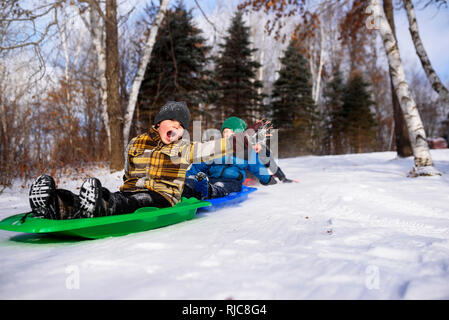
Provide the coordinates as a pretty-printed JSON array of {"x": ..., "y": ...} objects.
[{"x": 231, "y": 199}]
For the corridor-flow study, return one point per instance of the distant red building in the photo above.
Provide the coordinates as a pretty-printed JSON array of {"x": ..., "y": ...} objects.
[{"x": 437, "y": 143}]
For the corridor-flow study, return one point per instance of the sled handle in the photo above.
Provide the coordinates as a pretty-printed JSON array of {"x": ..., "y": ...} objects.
[{"x": 22, "y": 220}]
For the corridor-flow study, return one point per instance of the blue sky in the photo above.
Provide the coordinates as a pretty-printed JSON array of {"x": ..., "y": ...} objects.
[{"x": 434, "y": 29}]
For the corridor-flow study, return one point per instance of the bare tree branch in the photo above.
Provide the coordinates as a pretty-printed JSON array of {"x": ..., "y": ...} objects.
[
  {"x": 207, "y": 19},
  {"x": 32, "y": 20},
  {"x": 434, "y": 80},
  {"x": 438, "y": 3},
  {"x": 34, "y": 17}
]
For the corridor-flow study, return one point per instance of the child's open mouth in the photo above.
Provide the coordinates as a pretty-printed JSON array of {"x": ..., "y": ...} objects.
[{"x": 171, "y": 135}]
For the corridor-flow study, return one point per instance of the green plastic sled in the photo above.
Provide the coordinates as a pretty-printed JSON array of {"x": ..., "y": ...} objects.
[{"x": 142, "y": 219}]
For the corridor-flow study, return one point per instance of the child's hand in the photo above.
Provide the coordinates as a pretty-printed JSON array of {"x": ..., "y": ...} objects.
[
  {"x": 261, "y": 128},
  {"x": 262, "y": 125}
]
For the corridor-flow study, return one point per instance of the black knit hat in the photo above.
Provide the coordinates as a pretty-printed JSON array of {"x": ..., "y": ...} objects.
[{"x": 174, "y": 110}]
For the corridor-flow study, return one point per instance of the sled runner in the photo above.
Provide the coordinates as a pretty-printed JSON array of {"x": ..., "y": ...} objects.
[
  {"x": 142, "y": 219},
  {"x": 229, "y": 200}
]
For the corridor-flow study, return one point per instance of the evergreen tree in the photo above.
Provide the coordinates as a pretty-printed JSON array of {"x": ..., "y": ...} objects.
[
  {"x": 333, "y": 94},
  {"x": 235, "y": 74},
  {"x": 177, "y": 68},
  {"x": 360, "y": 122},
  {"x": 292, "y": 104}
]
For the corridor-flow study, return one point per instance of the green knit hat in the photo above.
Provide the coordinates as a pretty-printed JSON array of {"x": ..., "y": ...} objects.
[{"x": 235, "y": 124}]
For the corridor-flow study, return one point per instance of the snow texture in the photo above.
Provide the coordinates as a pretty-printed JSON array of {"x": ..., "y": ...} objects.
[{"x": 354, "y": 227}]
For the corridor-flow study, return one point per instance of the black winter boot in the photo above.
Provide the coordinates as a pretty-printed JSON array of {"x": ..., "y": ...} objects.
[
  {"x": 202, "y": 185},
  {"x": 91, "y": 201},
  {"x": 43, "y": 199}
]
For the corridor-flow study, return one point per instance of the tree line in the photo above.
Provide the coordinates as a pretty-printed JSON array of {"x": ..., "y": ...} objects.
[{"x": 329, "y": 90}]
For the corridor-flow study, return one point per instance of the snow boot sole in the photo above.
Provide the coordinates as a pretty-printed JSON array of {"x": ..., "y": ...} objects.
[
  {"x": 91, "y": 201},
  {"x": 43, "y": 199}
]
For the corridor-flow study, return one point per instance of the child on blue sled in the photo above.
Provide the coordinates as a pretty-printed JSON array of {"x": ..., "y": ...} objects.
[{"x": 222, "y": 176}]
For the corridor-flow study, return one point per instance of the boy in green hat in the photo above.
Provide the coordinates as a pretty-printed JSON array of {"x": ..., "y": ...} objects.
[
  {"x": 234, "y": 125},
  {"x": 226, "y": 175}
]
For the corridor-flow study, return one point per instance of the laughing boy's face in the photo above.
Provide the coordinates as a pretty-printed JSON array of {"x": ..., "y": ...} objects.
[{"x": 170, "y": 131}]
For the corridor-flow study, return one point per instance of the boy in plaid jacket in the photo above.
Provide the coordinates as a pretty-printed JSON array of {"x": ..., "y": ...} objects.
[{"x": 155, "y": 167}]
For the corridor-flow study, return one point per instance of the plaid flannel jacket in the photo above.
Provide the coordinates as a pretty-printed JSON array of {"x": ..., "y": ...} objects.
[{"x": 152, "y": 165}]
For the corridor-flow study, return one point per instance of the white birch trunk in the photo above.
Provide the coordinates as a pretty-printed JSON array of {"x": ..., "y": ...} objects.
[
  {"x": 423, "y": 164},
  {"x": 252, "y": 33},
  {"x": 69, "y": 65},
  {"x": 67, "y": 69},
  {"x": 141, "y": 71},
  {"x": 434, "y": 80},
  {"x": 316, "y": 97},
  {"x": 78, "y": 48},
  {"x": 260, "y": 72},
  {"x": 97, "y": 31},
  {"x": 68, "y": 104},
  {"x": 312, "y": 67},
  {"x": 252, "y": 37},
  {"x": 67, "y": 59}
]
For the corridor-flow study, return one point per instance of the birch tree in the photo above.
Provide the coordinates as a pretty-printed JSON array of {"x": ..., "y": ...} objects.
[
  {"x": 69, "y": 63},
  {"x": 423, "y": 164},
  {"x": 103, "y": 26},
  {"x": 96, "y": 28},
  {"x": 317, "y": 83},
  {"x": 312, "y": 35},
  {"x": 403, "y": 147},
  {"x": 141, "y": 71},
  {"x": 434, "y": 80}
]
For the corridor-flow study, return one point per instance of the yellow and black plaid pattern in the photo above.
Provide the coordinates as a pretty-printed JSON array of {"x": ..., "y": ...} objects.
[{"x": 152, "y": 165}]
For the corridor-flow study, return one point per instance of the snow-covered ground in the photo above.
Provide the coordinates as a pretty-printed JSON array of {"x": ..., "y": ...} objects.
[{"x": 354, "y": 227}]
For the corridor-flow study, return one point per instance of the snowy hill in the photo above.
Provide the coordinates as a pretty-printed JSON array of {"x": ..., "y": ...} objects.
[{"x": 353, "y": 228}]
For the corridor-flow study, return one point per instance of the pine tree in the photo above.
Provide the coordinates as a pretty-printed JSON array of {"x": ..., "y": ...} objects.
[
  {"x": 177, "y": 68},
  {"x": 293, "y": 108},
  {"x": 235, "y": 74},
  {"x": 360, "y": 122},
  {"x": 335, "y": 122}
]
